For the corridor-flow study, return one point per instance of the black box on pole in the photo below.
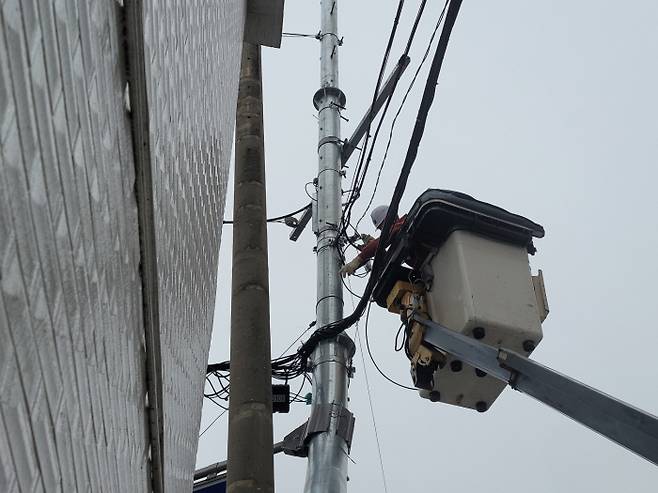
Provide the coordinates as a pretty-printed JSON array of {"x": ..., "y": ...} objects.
[{"x": 281, "y": 398}]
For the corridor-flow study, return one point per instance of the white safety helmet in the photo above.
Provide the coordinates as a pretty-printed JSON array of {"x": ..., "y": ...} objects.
[{"x": 378, "y": 215}]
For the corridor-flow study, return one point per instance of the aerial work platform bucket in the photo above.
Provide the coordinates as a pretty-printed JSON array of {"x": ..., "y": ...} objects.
[{"x": 470, "y": 274}]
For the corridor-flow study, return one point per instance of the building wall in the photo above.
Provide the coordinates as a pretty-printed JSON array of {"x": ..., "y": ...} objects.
[
  {"x": 72, "y": 377},
  {"x": 193, "y": 74},
  {"x": 72, "y": 381}
]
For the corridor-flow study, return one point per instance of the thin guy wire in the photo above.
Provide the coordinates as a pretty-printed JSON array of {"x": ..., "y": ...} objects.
[
  {"x": 298, "y": 338},
  {"x": 213, "y": 422},
  {"x": 372, "y": 411},
  {"x": 299, "y": 35}
]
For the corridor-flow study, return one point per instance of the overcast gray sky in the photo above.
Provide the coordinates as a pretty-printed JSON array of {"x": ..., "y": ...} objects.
[{"x": 548, "y": 109}]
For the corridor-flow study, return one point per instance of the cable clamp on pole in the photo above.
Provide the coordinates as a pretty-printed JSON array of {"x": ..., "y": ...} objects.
[
  {"x": 339, "y": 41},
  {"x": 330, "y": 140},
  {"x": 296, "y": 442}
]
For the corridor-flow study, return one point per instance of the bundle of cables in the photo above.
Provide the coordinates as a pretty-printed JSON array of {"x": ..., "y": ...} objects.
[{"x": 285, "y": 369}]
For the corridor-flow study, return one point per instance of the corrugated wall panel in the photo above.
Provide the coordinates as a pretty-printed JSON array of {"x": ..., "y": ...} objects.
[
  {"x": 71, "y": 327},
  {"x": 72, "y": 377},
  {"x": 193, "y": 64}
]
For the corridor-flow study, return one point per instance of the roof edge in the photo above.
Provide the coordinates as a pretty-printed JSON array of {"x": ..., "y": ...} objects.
[{"x": 264, "y": 22}]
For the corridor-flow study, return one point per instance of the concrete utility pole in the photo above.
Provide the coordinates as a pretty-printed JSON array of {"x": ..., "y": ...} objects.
[
  {"x": 250, "y": 462},
  {"x": 328, "y": 450}
]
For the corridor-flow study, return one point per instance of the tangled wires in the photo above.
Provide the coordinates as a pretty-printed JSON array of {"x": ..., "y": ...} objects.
[{"x": 285, "y": 368}]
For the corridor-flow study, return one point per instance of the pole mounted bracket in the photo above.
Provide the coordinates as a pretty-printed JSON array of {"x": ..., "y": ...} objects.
[
  {"x": 384, "y": 94},
  {"x": 301, "y": 223},
  {"x": 327, "y": 91},
  {"x": 296, "y": 442}
]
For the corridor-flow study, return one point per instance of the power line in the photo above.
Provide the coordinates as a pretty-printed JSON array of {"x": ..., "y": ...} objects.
[
  {"x": 397, "y": 114},
  {"x": 355, "y": 188},
  {"x": 372, "y": 358},
  {"x": 213, "y": 422},
  {"x": 278, "y": 218},
  {"x": 359, "y": 184}
]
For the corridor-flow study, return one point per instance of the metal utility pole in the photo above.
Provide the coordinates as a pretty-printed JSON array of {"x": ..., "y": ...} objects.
[
  {"x": 328, "y": 450},
  {"x": 250, "y": 463}
]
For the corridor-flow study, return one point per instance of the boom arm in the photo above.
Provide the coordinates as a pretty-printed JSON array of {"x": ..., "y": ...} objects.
[{"x": 622, "y": 423}]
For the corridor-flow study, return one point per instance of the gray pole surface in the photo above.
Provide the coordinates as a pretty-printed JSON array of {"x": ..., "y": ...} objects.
[
  {"x": 250, "y": 463},
  {"x": 328, "y": 452}
]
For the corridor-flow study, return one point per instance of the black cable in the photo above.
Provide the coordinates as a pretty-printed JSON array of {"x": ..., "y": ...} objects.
[
  {"x": 405, "y": 54},
  {"x": 412, "y": 34},
  {"x": 355, "y": 190},
  {"x": 335, "y": 328},
  {"x": 396, "y": 346},
  {"x": 283, "y": 368},
  {"x": 372, "y": 358},
  {"x": 348, "y": 288},
  {"x": 397, "y": 113},
  {"x": 278, "y": 218}
]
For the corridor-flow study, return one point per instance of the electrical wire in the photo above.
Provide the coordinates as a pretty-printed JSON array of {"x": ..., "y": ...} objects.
[
  {"x": 372, "y": 409},
  {"x": 355, "y": 188},
  {"x": 372, "y": 358},
  {"x": 399, "y": 347},
  {"x": 360, "y": 182},
  {"x": 300, "y": 35},
  {"x": 399, "y": 110},
  {"x": 213, "y": 422},
  {"x": 284, "y": 368},
  {"x": 308, "y": 194},
  {"x": 310, "y": 326},
  {"x": 349, "y": 289},
  {"x": 278, "y": 218}
]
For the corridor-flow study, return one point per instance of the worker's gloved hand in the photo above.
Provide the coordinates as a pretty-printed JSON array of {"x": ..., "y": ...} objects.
[
  {"x": 349, "y": 268},
  {"x": 366, "y": 238}
]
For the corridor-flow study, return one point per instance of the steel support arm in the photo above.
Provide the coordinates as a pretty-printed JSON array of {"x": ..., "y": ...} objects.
[
  {"x": 622, "y": 423},
  {"x": 385, "y": 93}
]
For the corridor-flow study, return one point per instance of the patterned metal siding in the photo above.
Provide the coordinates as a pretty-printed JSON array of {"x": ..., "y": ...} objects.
[
  {"x": 193, "y": 65},
  {"x": 71, "y": 373},
  {"x": 72, "y": 381}
]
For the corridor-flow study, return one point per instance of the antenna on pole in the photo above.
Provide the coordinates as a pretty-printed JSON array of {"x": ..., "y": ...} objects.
[{"x": 330, "y": 425}]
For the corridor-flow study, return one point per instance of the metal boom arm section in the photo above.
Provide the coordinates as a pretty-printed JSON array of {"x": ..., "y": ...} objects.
[{"x": 622, "y": 423}]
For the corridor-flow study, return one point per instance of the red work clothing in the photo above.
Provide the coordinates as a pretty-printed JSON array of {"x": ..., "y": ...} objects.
[{"x": 370, "y": 249}]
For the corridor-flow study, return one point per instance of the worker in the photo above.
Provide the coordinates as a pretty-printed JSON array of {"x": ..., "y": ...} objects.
[{"x": 378, "y": 215}]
